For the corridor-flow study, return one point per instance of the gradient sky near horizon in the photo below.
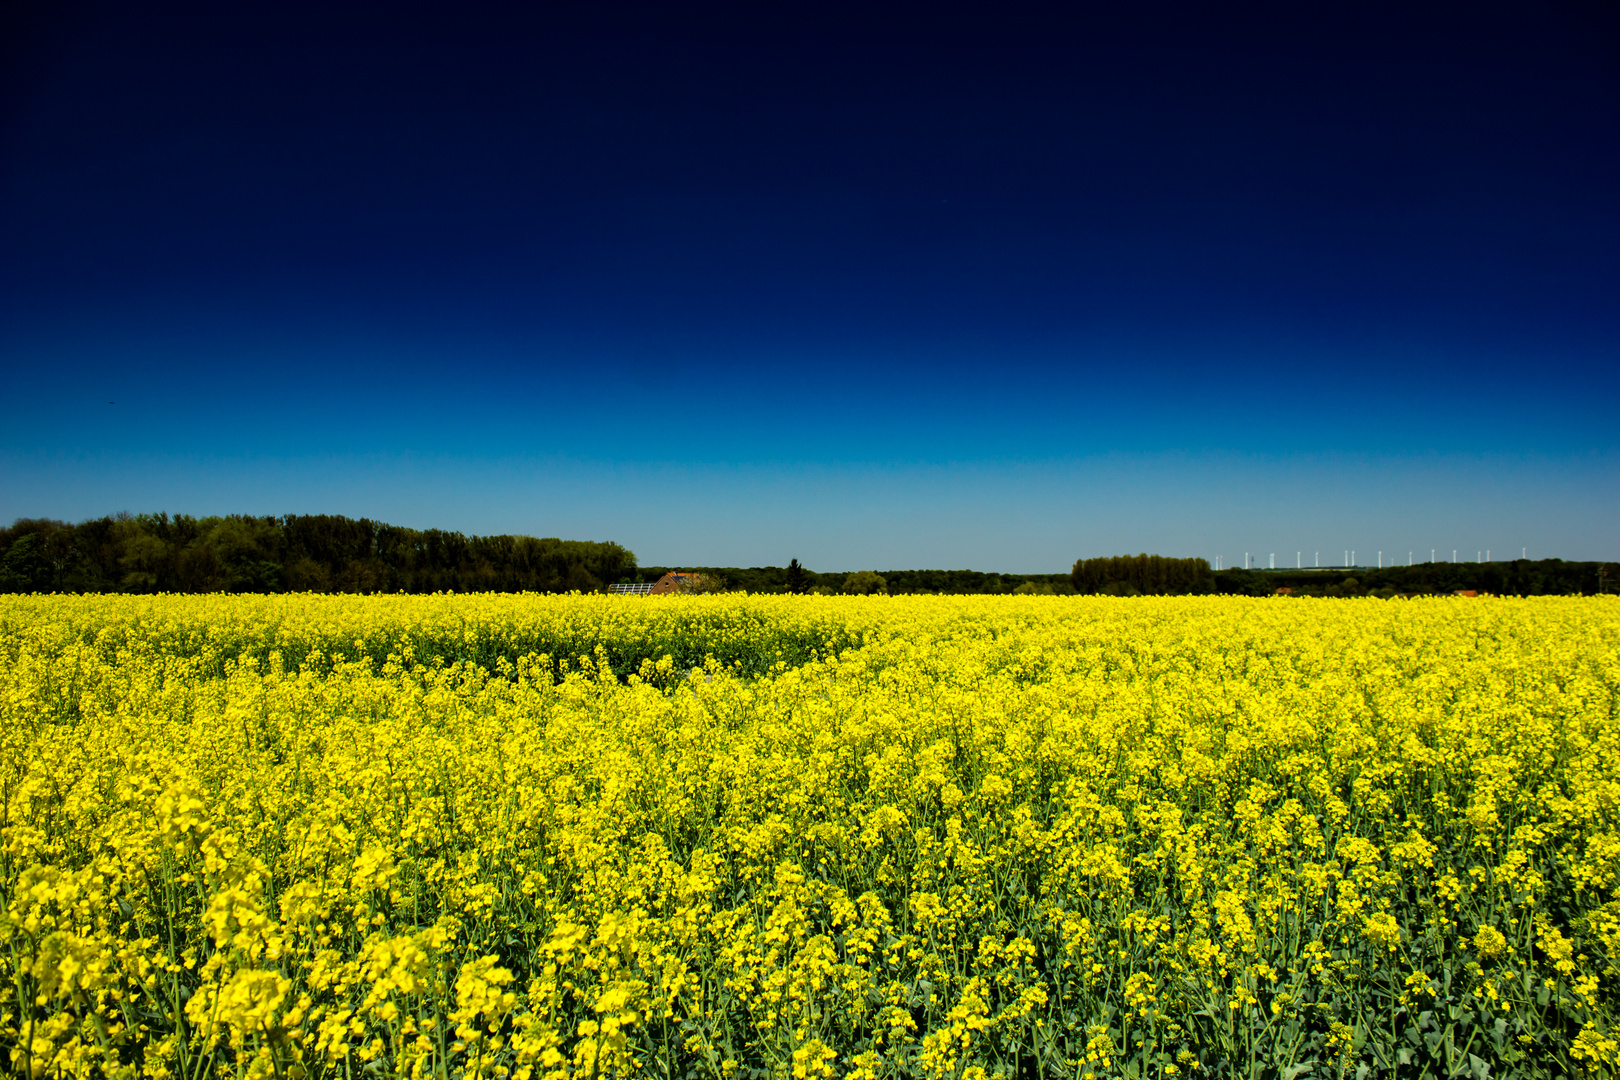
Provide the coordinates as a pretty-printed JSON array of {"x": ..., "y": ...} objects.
[{"x": 868, "y": 285}]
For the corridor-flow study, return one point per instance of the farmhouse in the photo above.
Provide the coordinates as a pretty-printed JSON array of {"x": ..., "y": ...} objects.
[{"x": 675, "y": 581}]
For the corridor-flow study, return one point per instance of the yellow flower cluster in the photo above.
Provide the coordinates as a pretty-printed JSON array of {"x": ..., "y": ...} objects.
[{"x": 541, "y": 838}]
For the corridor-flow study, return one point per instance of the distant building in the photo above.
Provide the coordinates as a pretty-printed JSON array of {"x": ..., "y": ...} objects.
[{"x": 674, "y": 582}]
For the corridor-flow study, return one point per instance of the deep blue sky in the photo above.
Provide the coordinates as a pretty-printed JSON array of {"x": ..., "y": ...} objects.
[{"x": 868, "y": 285}]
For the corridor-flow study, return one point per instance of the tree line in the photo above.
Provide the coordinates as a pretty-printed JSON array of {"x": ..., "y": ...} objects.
[
  {"x": 794, "y": 578},
  {"x": 1516, "y": 577},
  {"x": 295, "y": 553},
  {"x": 1157, "y": 575},
  {"x": 1131, "y": 575},
  {"x": 331, "y": 553},
  {"x": 1142, "y": 575}
]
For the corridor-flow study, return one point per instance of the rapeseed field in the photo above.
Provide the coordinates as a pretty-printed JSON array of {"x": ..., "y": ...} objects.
[{"x": 743, "y": 837}]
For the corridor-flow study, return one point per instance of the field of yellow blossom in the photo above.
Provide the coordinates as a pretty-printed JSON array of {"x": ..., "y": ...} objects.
[{"x": 747, "y": 837}]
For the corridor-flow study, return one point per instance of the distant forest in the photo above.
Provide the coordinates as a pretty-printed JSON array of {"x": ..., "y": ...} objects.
[
  {"x": 1135, "y": 575},
  {"x": 1519, "y": 577},
  {"x": 781, "y": 579},
  {"x": 328, "y": 553},
  {"x": 296, "y": 553}
]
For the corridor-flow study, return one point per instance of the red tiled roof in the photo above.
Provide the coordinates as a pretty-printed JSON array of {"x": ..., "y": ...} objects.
[{"x": 671, "y": 582}]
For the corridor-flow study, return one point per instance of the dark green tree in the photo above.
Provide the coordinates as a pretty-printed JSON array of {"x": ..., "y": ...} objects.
[
  {"x": 27, "y": 566},
  {"x": 865, "y": 583},
  {"x": 1149, "y": 575}
]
